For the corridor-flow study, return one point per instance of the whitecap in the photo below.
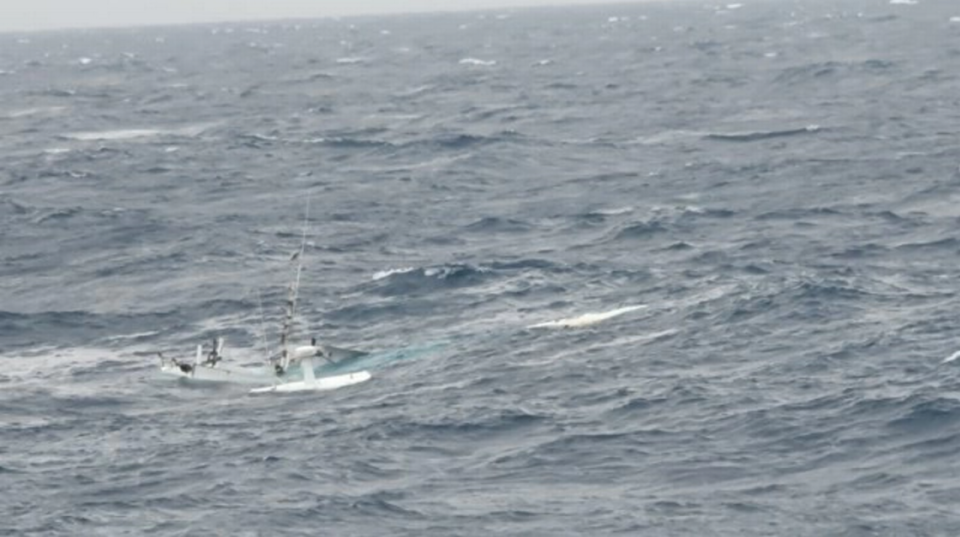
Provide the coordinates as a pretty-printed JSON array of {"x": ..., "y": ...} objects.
[
  {"x": 475, "y": 61},
  {"x": 379, "y": 275},
  {"x": 954, "y": 19},
  {"x": 613, "y": 211},
  {"x": 128, "y": 134},
  {"x": 136, "y": 335},
  {"x": 35, "y": 111},
  {"x": 350, "y": 60},
  {"x": 122, "y": 134},
  {"x": 951, "y": 358},
  {"x": 587, "y": 319},
  {"x": 904, "y": 2},
  {"x": 734, "y": 6}
]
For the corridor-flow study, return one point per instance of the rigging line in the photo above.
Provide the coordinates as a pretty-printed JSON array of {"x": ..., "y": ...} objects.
[
  {"x": 294, "y": 289},
  {"x": 263, "y": 327}
]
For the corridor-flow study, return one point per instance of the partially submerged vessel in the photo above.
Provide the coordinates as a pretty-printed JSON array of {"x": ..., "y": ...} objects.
[{"x": 290, "y": 370}]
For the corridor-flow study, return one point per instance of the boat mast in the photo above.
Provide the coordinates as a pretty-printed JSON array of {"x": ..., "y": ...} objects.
[{"x": 292, "y": 294}]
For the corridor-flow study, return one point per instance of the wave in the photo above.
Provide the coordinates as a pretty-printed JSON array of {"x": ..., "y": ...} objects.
[
  {"x": 461, "y": 141},
  {"x": 14, "y": 207},
  {"x": 688, "y": 212},
  {"x": 639, "y": 230},
  {"x": 416, "y": 281},
  {"x": 479, "y": 421},
  {"x": 390, "y": 272},
  {"x": 934, "y": 414},
  {"x": 347, "y": 142},
  {"x": 814, "y": 72},
  {"x": 951, "y": 358},
  {"x": 478, "y": 62},
  {"x": 862, "y": 251},
  {"x": 587, "y": 319},
  {"x": 613, "y": 211},
  {"x": 492, "y": 224},
  {"x": 528, "y": 264},
  {"x": 798, "y": 213},
  {"x": 948, "y": 244},
  {"x": 761, "y": 135},
  {"x": 189, "y": 131}
]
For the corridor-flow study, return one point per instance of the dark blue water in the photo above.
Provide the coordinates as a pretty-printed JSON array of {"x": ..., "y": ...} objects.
[{"x": 777, "y": 183}]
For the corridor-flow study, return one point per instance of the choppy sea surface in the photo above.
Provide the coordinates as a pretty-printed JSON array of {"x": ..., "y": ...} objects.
[{"x": 679, "y": 268}]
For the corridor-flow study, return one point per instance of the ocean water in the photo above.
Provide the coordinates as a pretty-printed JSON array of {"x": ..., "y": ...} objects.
[{"x": 660, "y": 269}]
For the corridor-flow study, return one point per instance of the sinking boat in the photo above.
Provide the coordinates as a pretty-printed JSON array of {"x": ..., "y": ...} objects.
[{"x": 289, "y": 370}]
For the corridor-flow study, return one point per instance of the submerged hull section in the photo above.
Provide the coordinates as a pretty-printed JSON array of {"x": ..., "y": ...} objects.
[
  {"x": 318, "y": 384},
  {"x": 219, "y": 373}
]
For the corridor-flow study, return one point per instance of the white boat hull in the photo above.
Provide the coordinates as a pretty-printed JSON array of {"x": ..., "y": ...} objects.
[{"x": 317, "y": 384}]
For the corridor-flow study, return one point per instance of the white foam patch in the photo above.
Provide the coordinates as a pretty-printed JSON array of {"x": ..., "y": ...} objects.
[
  {"x": 114, "y": 135},
  {"x": 128, "y": 134},
  {"x": 476, "y": 61},
  {"x": 614, "y": 211},
  {"x": 391, "y": 271},
  {"x": 954, "y": 19},
  {"x": 904, "y": 2},
  {"x": 46, "y": 362},
  {"x": 951, "y": 358},
  {"x": 350, "y": 60},
  {"x": 625, "y": 342},
  {"x": 26, "y": 112},
  {"x": 136, "y": 335},
  {"x": 587, "y": 319}
]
